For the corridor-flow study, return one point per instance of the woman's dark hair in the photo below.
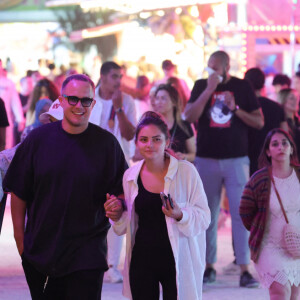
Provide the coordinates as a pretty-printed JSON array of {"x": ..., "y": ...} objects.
[
  {"x": 264, "y": 160},
  {"x": 36, "y": 94},
  {"x": 174, "y": 95},
  {"x": 152, "y": 118}
]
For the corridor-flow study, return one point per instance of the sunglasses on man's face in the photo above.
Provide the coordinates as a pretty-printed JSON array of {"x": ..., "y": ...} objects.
[{"x": 73, "y": 100}]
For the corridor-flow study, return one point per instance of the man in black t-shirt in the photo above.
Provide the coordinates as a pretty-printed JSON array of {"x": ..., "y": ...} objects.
[
  {"x": 61, "y": 176},
  {"x": 273, "y": 116},
  {"x": 224, "y": 107},
  {"x": 3, "y": 124}
]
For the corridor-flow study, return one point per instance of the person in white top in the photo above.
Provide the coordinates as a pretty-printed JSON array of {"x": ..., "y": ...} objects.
[
  {"x": 115, "y": 112},
  {"x": 165, "y": 240},
  {"x": 13, "y": 107}
]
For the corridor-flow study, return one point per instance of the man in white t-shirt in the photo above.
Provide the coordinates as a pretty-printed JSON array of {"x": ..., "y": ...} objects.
[{"x": 115, "y": 112}]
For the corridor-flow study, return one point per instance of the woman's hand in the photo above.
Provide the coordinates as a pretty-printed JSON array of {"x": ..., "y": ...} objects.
[
  {"x": 113, "y": 207},
  {"x": 174, "y": 213}
]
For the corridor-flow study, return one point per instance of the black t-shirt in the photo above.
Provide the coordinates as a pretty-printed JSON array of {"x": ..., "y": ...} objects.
[
  {"x": 294, "y": 129},
  {"x": 152, "y": 228},
  {"x": 64, "y": 178},
  {"x": 179, "y": 136},
  {"x": 3, "y": 115},
  {"x": 221, "y": 134},
  {"x": 273, "y": 115}
]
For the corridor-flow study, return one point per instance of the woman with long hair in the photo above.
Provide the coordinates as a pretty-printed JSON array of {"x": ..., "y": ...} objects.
[
  {"x": 260, "y": 210},
  {"x": 44, "y": 89},
  {"x": 165, "y": 221},
  {"x": 166, "y": 102}
]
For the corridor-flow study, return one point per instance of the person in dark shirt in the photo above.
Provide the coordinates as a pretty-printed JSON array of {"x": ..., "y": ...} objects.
[
  {"x": 273, "y": 116},
  {"x": 3, "y": 124},
  {"x": 61, "y": 176},
  {"x": 225, "y": 107}
]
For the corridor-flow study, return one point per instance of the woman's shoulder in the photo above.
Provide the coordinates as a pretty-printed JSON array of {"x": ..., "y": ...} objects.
[{"x": 187, "y": 168}]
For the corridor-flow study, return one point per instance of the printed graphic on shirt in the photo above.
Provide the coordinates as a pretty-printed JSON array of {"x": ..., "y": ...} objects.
[{"x": 220, "y": 114}]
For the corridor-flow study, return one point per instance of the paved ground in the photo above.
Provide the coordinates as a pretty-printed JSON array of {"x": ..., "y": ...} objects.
[{"x": 13, "y": 285}]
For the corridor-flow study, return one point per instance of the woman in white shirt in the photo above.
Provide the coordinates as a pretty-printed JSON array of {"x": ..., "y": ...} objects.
[{"x": 164, "y": 245}]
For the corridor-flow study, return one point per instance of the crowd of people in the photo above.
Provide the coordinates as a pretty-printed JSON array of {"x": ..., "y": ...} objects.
[{"x": 97, "y": 163}]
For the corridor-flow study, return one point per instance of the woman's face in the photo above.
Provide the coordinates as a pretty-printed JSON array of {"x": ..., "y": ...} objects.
[
  {"x": 280, "y": 148},
  {"x": 292, "y": 102},
  {"x": 151, "y": 142},
  {"x": 162, "y": 102},
  {"x": 44, "y": 93}
]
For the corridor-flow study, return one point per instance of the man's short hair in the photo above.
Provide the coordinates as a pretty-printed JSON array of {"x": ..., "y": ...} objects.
[
  {"x": 79, "y": 77},
  {"x": 281, "y": 79},
  {"x": 256, "y": 77},
  {"x": 167, "y": 65},
  {"x": 221, "y": 55},
  {"x": 107, "y": 66}
]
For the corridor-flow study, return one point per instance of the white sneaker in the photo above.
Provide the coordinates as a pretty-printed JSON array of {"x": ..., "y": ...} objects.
[
  {"x": 232, "y": 269},
  {"x": 114, "y": 275}
]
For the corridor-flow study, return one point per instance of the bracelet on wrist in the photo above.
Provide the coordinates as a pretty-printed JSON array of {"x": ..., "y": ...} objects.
[{"x": 235, "y": 109}]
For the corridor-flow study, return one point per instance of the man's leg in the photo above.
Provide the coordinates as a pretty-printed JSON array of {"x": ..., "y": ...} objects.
[
  {"x": 35, "y": 280},
  {"x": 84, "y": 284},
  {"x": 114, "y": 247},
  {"x": 212, "y": 181},
  {"x": 236, "y": 176}
]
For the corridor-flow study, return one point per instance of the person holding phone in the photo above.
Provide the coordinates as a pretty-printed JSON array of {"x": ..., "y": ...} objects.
[{"x": 164, "y": 245}]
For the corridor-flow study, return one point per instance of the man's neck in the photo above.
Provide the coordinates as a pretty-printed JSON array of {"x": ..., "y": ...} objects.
[{"x": 104, "y": 93}]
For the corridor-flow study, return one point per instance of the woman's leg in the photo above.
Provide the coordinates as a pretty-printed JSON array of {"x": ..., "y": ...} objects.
[
  {"x": 144, "y": 283},
  {"x": 295, "y": 293},
  {"x": 278, "y": 291}
]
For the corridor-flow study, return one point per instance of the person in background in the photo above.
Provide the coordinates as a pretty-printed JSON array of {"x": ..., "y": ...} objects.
[
  {"x": 224, "y": 107},
  {"x": 169, "y": 70},
  {"x": 165, "y": 244},
  {"x": 262, "y": 215},
  {"x": 115, "y": 112},
  {"x": 60, "y": 176},
  {"x": 166, "y": 102},
  {"x": 43, "y": 89},
  {"x": 280, "y": 81},
  {"x": 141, "y": 96},
  {"x": 13, "y": 107},
  {"x": 174, "y": 81},
  {"x": 3, "y": 124},
  {"x": 289, "y": 99},
  {"x": 273, "y": 115}
]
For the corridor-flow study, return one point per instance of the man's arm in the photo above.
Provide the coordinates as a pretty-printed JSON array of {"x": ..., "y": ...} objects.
[
  {"x": 253, "y": 119},
  {"x": 18, "y": 211},
  {"x": 193, "y": 111},
  {"x": 2, "y": 138},
  {"x": 126, "y": 128}
]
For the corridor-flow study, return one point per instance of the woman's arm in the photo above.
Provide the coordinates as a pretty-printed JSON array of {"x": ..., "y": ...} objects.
[
  {"x": 248, "y": 207},
  {"x": 196, "y": 213}
]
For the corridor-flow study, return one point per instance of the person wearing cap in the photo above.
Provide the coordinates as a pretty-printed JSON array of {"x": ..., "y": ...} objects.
[
  {"x": 169, "y": 70},
  {"x": 60, "y": 177}
]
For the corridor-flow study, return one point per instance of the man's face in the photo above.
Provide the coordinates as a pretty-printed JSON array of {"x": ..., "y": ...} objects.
[
  {"x": 76, "y": 117},
  {"x": 112, "y": 80},
  {"x": 297, "y": 84},
  {"x": 218, "y": 66}
]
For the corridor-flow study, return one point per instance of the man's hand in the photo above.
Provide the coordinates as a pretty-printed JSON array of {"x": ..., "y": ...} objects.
[
  {"x": 174, "y": 213},
  {"x": 117, "y": 99},
  {"x": 229, "y": 100},
  {"x": 21, "y": 126},
  {"x": 212, "y": 82},
  {"x": 113, "y": 207}
]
